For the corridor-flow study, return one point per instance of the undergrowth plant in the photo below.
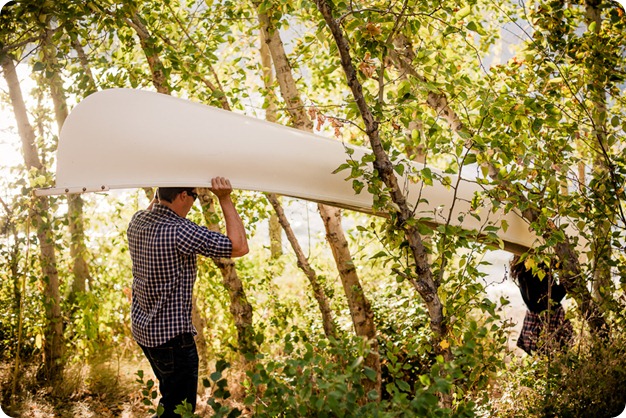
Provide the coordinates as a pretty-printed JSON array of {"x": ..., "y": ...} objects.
[
  {"x": 585, "y": 380},
  {"x": 149, "y": 394}
]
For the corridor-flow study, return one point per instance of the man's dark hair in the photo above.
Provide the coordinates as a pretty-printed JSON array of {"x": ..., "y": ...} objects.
[
  {"x": 169, "y": 193},
  {"x": 534, "y": 289}
]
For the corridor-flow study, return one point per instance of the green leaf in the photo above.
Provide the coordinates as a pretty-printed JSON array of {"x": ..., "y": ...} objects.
[
  {"x": 464, "y": 12},
  {"x": 476, "y": 27},
  {"x": 402, "y": 385},
  {"x": 469, "y": 159},
  {"x": 615, "y": 121},
  {"x": 427, "y": 176},
  {"x": 342, "y": 167},
  {"x": 379, "y": 255},
  {"x": 370, "y": 373},
  {"x": 372, "y": 394},
  {"x": 234, "y": 413},
  {"x": 221, "y": 365}
]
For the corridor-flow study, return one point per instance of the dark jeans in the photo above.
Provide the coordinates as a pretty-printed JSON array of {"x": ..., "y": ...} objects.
[{"x": 175, "y": 364}]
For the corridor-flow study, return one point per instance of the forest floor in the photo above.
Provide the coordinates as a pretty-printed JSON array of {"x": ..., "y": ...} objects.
[
  {"x": 102, "y": 388},
  {"x": 95, "y": 389}
]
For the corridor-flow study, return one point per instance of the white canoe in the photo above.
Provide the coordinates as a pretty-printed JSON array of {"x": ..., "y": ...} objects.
[{"x": 123, "y": 139}]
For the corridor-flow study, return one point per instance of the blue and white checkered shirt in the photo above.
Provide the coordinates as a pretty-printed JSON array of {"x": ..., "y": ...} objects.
[{"x": 163, "y": 248}]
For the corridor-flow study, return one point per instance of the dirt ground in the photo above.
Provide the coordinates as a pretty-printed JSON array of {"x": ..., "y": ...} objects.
[{"x": 102, "y": 388}]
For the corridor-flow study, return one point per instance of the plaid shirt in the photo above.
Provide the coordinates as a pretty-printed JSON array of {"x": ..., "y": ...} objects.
[
  {"x": 534, "y": 336},
  {"x": 163, "y": 248}
]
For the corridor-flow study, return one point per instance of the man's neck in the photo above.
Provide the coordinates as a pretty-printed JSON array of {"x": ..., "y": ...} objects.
[{"x": 177, "y": 209}]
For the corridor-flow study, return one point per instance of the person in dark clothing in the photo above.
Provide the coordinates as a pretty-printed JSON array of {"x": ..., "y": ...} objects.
[
  {"x": 542, "y": 296},
  {"x": 163, "y": 247}
]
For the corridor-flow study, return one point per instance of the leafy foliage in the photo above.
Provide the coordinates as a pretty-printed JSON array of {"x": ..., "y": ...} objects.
[{"x": 542, "y": 129}]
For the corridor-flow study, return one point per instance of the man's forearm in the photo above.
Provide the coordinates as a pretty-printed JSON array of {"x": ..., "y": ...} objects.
[{"x": 234, "y": 227}]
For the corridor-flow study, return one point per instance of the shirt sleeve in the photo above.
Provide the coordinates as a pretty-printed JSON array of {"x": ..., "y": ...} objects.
[{"x": 196, "y": 239}]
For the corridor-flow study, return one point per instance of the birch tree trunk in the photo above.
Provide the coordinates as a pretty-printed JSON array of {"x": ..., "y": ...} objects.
[
  {"x": 360, "y": 308},
  {"x": 276, "y": 245},
  {"x": 601, "y": 172},
  {"x": 76, "y": 224},
  {"x": 279, "y": 217},
  {"x": 328, "y": 321},
  {"x": 570, "y": 270},
  {"x": 40, "y": 214},
  {"x": 240, "y": 308}
]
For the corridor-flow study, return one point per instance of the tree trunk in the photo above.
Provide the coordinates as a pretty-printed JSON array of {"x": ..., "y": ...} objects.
[
  {"x": 279, "y": 214},
  {"x": 601, "y": 173},
  {"x": 154, "y": 61},
  {"x": 78, "y": 249},
  {"x": 200, "y": 323},
  {"x": 360, "y": 308},
  {"x": 359, "y": 305},
  {"x": 240, "y": 308},
  {"x": 289, "y": 90},
  {"x": 84, "y": 64},
  {"x": 570, "y": 277},
  {"x": 276, "y": 244},
  {"x": 318, "y": 290},
  {"x": 276, "y": 236},
  {"x": 40, "y": 214}
]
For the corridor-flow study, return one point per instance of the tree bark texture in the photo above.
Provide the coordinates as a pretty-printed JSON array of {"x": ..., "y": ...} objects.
[
  {"x": 40, "y": 214},
  {"x": 276, "y": 237},
  {"x": 359, "y": 305},
  {"x": 286, "y": 82},
  {"x": 360, "y": 309},
  {"x": 424, "y": 282},
  {"x": 200, "y": 323},
  {"x": 571, "y": 276},
  {"x": 240, "y": 308},
  {"x": 76, "y": 223},
  {"x": 304, "y": 265},
  {"x": 154, "y": 61}
]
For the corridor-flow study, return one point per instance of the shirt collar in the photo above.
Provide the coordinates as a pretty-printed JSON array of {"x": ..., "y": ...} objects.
[{"x": 159, "y": 208}]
